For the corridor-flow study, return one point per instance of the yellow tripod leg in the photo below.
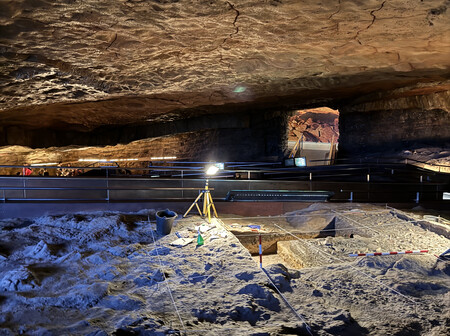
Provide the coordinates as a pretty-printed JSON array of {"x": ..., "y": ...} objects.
[
  {"x": 212, "y": 204},
  {"x": 198, "y": 208},
  {"x": 208, "y": 207},
  {"x": 205, "y": 204},
  {"x": 192, "y": 205}
]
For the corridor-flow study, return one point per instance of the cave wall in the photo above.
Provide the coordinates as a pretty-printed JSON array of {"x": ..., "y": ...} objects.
[
  {"x": 394, "y": 123},
  {"x": 256, "y": 135},
  {"x": 182, "y": 146}
]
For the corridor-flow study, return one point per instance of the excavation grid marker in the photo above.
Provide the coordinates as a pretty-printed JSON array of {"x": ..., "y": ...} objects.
[
  {"x": 386, "y": 253},
  {"x": 260, "y": 251}
]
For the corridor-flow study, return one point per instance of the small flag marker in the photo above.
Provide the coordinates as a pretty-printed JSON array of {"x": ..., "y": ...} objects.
[{"x": 200, "y": 240}]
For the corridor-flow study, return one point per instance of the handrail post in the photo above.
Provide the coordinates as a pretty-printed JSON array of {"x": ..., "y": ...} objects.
[
  {"x": 24, "y": 193},
  {"x": 182, "y": 184},
  {"x": 107, "y": 184}
]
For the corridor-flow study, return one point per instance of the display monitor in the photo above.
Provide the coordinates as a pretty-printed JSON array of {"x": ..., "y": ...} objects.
[{"x": 300, "y": 162}]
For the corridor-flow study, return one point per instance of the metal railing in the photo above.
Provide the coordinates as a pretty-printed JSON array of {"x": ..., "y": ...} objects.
[
  {"x": 387, "y": 160},
  {"x": 37, "y": 189},
  {"x": 351, "y": 182}
]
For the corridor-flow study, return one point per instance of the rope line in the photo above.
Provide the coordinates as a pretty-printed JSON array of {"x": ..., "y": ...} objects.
[
  {"x": 324, "y": 230},
  {"x": 164, "y": 276},
  {"x": 351, "y": 266},
  {"x": 304, "y": 215},
  {"x": 354, "y": 221},
  {"x": 325, "y": 255},
  {"x": 299, "y": 316}
]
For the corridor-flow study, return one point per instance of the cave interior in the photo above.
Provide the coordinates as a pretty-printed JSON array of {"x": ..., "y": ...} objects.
[{"x": 218, "y": 81}]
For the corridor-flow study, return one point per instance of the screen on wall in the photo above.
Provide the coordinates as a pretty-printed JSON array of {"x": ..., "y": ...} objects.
[{"x": 300, "y": 162}]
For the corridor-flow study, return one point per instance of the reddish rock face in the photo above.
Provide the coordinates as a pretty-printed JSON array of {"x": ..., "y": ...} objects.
[{"x": 315, "y": 125}]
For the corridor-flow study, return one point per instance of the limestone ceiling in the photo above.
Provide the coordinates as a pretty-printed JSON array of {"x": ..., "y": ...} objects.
[{"x": 86, "y": 63}]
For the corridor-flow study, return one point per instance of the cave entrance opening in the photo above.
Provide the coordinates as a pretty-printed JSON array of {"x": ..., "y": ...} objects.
[{"x": 314, "y": 135}]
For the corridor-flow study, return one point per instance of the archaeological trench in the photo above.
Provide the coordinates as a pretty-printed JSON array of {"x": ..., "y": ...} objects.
[{"x": 140, "y": 81}]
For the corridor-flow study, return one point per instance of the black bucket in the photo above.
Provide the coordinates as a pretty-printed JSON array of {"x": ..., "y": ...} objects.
[{"x": 164, "y": 221}]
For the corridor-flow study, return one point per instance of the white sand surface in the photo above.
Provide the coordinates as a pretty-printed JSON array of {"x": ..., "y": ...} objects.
[{"x": 111, "y": 274}]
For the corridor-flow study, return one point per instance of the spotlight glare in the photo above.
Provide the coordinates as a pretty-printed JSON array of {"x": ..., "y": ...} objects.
[
  {"x": 239, "y": 89},
  {"x": 45, "y": 164},
  {"x": 163, "y": 158},
  {"x": 212, "y": 170}
]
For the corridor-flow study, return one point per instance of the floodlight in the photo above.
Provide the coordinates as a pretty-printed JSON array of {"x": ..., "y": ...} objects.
[
  {"x": 208, "y": 203},
  {"x": 212, "y": 170}
]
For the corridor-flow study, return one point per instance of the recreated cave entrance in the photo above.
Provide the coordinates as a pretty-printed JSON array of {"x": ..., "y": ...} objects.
[{"x": 312, "y": 134}]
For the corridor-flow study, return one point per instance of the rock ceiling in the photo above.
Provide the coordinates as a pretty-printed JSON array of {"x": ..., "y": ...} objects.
[{"x": 81, "y": 64}]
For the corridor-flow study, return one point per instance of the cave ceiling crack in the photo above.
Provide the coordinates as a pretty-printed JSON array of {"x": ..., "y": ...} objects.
[
  {"x": 337, "y": 11},
  {"x": 355, "y": 38},
  {"x": 221, "y": 44},
  {"x": 371, "y": 23},
  {"x": 373, "y": 15},
  {"x": 236, "y": 27},
  {"x": 112, "y": 42},
  {"x": 235, "y": 18}
]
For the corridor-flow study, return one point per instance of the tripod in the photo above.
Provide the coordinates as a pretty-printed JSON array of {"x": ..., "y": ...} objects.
[{"x": 207, "y": 204}]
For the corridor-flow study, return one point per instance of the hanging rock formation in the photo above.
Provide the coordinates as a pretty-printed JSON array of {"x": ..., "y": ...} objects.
[{"x": 96, "y": 73}]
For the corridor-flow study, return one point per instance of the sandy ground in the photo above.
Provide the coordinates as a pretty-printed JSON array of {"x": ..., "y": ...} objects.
[{"x": 111, "y": 274}]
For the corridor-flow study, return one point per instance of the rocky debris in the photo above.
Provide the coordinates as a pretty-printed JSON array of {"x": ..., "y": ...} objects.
[
  {"x": 430, "y": 155},
  {"x": 19, "y": 279},
  {"x": 40, "y": 251},
  {"x": 315, "y": 125},
  {"x": 100, "y": 267}
]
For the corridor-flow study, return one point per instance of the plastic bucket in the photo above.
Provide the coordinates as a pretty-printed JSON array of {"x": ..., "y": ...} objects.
[{"x": 164, "y": 221}]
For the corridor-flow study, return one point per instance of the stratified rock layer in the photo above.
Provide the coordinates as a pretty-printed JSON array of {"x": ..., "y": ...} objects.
[
  {"x": 143, "y": 59},
  {"x": 393, "y": 122},
  {"x": 85, "y": 66}
]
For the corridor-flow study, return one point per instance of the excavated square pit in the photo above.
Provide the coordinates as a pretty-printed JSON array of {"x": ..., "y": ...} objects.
[{"x": 325, "y": 234}]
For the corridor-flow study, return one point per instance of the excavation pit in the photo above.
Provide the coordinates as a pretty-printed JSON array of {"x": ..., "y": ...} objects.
[
  {"x": 322, "y": 235},
  {"x": 279, "y": 234}
]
